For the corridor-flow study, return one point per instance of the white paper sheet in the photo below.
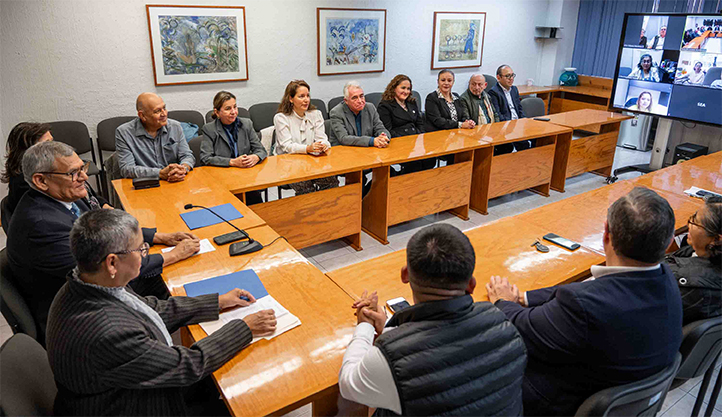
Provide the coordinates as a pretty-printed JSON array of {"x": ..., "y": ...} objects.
[
  {"x": 206, "y": 246},
  {"x": 693, "y": 191}
]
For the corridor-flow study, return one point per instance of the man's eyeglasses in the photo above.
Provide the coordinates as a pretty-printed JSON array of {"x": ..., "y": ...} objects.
[
  {"x": 143, "y": 249},
  {"x": 693, "y": 220},
  {"x": 74, "y": 174},
  {"x": 509, "y": 76}
]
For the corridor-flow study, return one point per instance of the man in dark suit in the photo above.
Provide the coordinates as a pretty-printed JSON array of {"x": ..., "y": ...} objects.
[
  {"x": 504, "y": 97},
  {"x": 354, "y": 122},
  {"x": 622, "y": 326},
  {"x": 38, "y": 243}
]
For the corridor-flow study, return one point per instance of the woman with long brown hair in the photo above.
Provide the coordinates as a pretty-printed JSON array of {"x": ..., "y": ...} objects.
[
  {"x": 22, "y": 136},
  {"x": 299, "y": 128}
]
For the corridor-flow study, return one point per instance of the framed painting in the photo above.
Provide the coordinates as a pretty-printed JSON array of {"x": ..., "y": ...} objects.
[
  {"x": 351, "y": 41},
  {"x": 197, "y": 44},
  {"x": 458, "y": 40}
]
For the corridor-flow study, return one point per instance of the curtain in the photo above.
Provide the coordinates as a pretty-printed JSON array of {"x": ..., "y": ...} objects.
[{"x": 711, "y": 6}]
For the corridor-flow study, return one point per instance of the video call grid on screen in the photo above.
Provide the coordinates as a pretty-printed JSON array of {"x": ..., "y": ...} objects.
[{"x": 661, "y": 55}]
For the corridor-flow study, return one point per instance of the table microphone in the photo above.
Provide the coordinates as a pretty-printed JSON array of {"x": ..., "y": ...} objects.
[{"x": 238, "y": 248}]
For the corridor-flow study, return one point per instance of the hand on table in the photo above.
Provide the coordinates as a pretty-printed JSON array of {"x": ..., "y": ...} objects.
[
  {"x": 381, "y": 141},
  {"x": 499, "y": 288},
  {"x": 316, "y": 148},
  {"x": 173, "y": 173},
  {"x": 468, "y": 124},
  {"x": 369, "y": 311},
  {"x": 172, "y": 239},
  {"x": 245, "y": 161},
  {"x": 261, "y": 323},
  {"x": 233, "y": 299}
]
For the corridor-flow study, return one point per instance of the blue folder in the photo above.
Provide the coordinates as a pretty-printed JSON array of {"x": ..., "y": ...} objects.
[
  {"x": 202, "y": 217},
  {"x": 245, "y": 280}
]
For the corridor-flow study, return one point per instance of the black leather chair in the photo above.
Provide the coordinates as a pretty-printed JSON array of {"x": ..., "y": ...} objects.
[
  {"x": 242, "y": 112},
  {"x": 5, "y": 214},
  {"x": 106, "y": 143},
  {"x": 374, "y": 98},
  {"x": 641, "y": 398},
  {"x": 12, "y": 304},
  {"x": 27, "y": 385},
  {"x": 490, "y": 82},
  {"x": 195, "y": 145},
  {"x": 701, "y": 347},
  {"x": 262, "y": 114},
  {"x": 334, "y": 102},
  {"x": 188, "y": 116},
  {"x": 76, "y": 134},
  {"x": 320, "y": 105},
  {"x": 419, "y": 101},
  {"x": 533, "y": 106}
]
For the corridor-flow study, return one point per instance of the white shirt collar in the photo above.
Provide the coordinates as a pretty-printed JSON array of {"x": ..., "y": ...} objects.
[
  {"x": 67, "y": 205},
  {"x": 599, "y": 271},
  {"x": 508, "y": 90}
]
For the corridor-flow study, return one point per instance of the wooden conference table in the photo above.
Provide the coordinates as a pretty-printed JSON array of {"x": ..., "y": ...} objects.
[{"x": 591, "y": 93}]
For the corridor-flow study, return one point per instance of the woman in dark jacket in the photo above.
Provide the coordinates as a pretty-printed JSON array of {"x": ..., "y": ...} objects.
[
  {"x": 231, "y": 140},
  {"x": 22, "y": 136},
  {"x": 401, "y": 116},
  {"x": 443, "y": 110},
  {"x": 697, "y": 265}
]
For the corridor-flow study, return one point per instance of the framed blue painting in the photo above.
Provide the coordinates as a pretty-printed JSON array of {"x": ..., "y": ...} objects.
[
  {"x": 351, "y": 41},
  {"x": 197, "y": 44}
]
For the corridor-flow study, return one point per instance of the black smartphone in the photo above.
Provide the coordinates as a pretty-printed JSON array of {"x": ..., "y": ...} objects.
[
  {"x": 397, "y": 304},
  {"x": 542, "y": 119},
  {"x": 703, "y": 193},
  {"x": 563, "y": 242}
]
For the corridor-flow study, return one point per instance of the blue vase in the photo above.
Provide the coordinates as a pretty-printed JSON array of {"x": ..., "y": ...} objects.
[{"x": 569, "y": 77}]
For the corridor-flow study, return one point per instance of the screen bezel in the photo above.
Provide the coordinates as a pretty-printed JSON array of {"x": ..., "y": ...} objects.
[{"x": 617, "y": 67}]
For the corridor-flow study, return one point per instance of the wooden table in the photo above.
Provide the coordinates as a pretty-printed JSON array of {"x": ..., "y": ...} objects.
[
  {"x": 591, "y": 93},
  {"x": 502, "y": 248},
  {"x": 543, "y": 92},
  {"x": 703, "y": 172},
  {"x": 393, "y": 200},
  {"x": 590, "y": 152},
  {"x": 536, "y": 168},
  {"x": 313, "y": 218}
]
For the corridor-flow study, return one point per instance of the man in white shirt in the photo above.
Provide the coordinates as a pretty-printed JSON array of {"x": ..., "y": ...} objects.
[
  {"x": 621, "y": 327},
  {"x": 443, "y": 355},
  {"x": 658, "y": 41}
]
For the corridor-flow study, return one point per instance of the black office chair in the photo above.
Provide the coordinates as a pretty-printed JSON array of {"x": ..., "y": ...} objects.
[
  {"x": 419, "y": 102},
  {"x": 27, "y": 385},
  {"x": 76, "y": 134},
  {"x": 320, "y": 105},
  {"x": 5, "y": 214},
  {"x": 106, "y": 143},
  {"x": 641, "y": 398},
  {"x": 329, "y": 132},
  {"x": 533, "y": 106},
  {"x": 334, "y": 102},
  {"x": 624, "y": 71},
  {"x": 188, "y": 116},
  {"x": 242, "y": 112},
  {"x": 490, "y": 82},
  {"x": 374, "y": 98},
  {"x": 262, "y": 114},
  {"x": 712, "y": 75},
  {"x": 12, "y": 304},
  {"x": 195, "y": 145},
  {"x": 701, "y": 347}
]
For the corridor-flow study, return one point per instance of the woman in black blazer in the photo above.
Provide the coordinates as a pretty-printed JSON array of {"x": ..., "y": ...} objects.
[
  {"x": 443, "y": 109},
  {"x": 400, "y": 114}
]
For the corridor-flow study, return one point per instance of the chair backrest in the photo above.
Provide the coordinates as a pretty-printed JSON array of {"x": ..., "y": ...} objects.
[
  {"x": 632, "y": 101},
  {"x": 533, "y": 106},
  {"x": 334, "y": 102},
  {"x": 701, "y": 344},
  {"x": 190, "y": 116},
  {"x": 195, "y": 145},
  {"x": 106, "y": 132},
  {"x": 374, "y": 98},
  {"x": 641, "y": 398},
  {"x": 624, "y": 71},
  {"x": 27, "y": 385},
  {"x": 268, "y": 137},
  {"x": 419, "y": 101},
  {"x": 73, "y": 133},
  {"x": 262, "y": 114},
  {"x": 12, "y": 304},
  {"x": 112, "y": 172},
  {"x": 713, "y": 74},
  {"x": 490, "y": 82},
  {"x": 5, "y": 214},
  {"x": 329, "y": 132},
  {"x": 242, "y": 112},
  {"x": 321, "y": 105}
]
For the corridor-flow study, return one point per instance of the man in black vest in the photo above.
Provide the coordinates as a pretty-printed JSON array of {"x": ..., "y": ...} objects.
[
  {"x": 620, "y": 327},
  {"x": 444, "y": 355}
]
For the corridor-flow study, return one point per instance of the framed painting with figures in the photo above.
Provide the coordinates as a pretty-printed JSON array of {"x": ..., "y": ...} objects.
[
  {"x": 351, "y": 41},
  {"x": 458, "y": 39},
  {"x": 197, "y": 44}
]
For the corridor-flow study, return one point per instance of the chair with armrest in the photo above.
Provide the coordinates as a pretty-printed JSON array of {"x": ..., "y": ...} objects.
[
  {"x": 106, "y": 143},
  {"x": 195, "y": 145},
  {"x": 533, "y": 107},
  {"x": 189, "y": 116},
  {"x": 334, "y": 102},
  {"x": 76, "y": 134},
  {"x": 374, "y": 98},
  {"x": 12, "y": 304},
  {"x": 642, "y": 398},
  {"x": 27, "y": 385},
  {"x": 490, "y": 82}
]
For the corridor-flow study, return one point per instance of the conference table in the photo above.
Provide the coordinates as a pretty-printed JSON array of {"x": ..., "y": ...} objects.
[
  {"x": 591, "y": 93},
  {"x": 301, "y": 366}
]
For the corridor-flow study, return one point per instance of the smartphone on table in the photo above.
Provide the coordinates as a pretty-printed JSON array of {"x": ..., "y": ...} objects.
[{"x": 397, "y": 304}]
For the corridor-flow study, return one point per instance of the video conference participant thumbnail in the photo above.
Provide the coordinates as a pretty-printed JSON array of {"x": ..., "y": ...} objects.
[
  {"x": 648, "y": 65},
  {"x": 702, "y": 33},
  {"x": 698, "y": 68},
  {"x": 643, "y": 96}
]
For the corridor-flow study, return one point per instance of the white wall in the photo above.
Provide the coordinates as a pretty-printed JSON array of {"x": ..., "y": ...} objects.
[{"x": 87, "y": 60}]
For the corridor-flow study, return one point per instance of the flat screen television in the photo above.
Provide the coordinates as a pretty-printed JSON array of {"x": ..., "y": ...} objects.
[{"x": 670, "y": 65}]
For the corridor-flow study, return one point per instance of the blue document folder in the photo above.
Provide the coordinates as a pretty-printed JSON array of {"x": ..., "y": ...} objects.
[
  {"x": 245, "y": 280},
  {"x": 202, "y": 217}
]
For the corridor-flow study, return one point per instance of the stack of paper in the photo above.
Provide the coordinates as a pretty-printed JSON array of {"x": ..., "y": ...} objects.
[
  {"x": 205, "y": 247},
  {"x": 249, "y": 281}
]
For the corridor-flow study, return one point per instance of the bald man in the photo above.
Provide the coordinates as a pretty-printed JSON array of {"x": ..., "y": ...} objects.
[{"x": 152, "y": 145}]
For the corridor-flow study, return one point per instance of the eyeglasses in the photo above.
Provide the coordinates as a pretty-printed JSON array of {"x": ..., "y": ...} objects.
[
  {"x": 509, "y": 76},
  {"x": 143, "y": 249},
  {"x": 693, "y": 220},
  {"x": 74, "y": 174}
]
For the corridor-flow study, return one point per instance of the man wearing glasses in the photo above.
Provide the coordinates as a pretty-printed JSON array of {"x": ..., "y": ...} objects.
[
  {"x": 354, "y": 122},
  {"x": 505, "y": 98},
  {"x": 38, "y": 245}
]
